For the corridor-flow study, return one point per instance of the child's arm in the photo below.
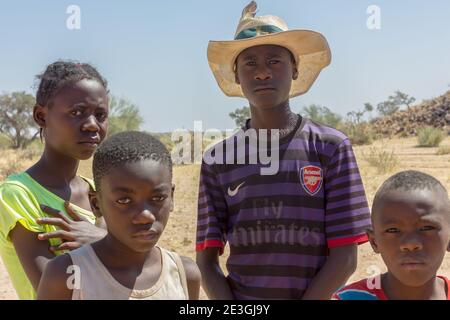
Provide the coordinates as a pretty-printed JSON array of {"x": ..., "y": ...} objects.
[
  {"x": 54, "y": 284},
  {"x": 213, "y": 280},
  {"x": 33, "y": 254},
  {"x": 193, "y": 277},
  {"x": 340, "y": 265}
]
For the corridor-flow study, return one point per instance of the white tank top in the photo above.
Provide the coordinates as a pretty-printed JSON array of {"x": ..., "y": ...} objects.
[{"x": 97, "y": 283}]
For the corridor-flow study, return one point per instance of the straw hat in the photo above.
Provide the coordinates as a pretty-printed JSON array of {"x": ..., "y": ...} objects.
[{"x": 310, "y": 50}]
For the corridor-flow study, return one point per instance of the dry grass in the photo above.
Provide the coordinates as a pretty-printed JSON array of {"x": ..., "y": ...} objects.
[
  {"x": 180, "y": 231},
  {"x": 13, "y": 161},
  {"x": 383, "y": 160},
  {"x": 443, "y": 150}
]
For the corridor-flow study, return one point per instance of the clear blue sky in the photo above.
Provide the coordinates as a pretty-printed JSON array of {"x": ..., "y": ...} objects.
[{"x": 154, "y": 52}]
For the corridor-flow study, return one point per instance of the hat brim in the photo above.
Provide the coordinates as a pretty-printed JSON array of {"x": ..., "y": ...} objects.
[{"x": 310, "y": 50}]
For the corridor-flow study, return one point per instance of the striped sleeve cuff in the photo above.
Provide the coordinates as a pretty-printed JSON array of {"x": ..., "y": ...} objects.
[
  {"x": 358, "y": 239},
  {"x": 210, "y": 244}
]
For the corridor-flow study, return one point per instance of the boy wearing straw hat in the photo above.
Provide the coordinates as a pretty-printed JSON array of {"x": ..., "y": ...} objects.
[{"x": 292, "y": 234}]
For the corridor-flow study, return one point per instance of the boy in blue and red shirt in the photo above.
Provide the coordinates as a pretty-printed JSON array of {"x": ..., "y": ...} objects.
[
  {"x": 411, "y": 231},
  {"x": 293, "y": 231}
]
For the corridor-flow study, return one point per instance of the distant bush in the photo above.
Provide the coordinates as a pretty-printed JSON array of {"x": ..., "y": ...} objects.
[
  {"x": 16, "y": 160},
  {"x": 240, "y": 116},
  {"x": 123, "y": 116},
  {"x": 32, "y": 152},
  {"x": 443, "y": 150},
  {"x": 359, "y": 134},
  {"x": 430, "y": 137},
  {"x": 322, "y": 115},
  {"x": 10, "y": 168},
  {"x": 381, "y": 159},
  {"x": 5, "y": 142},
  {"x": 166, "y": 139}
]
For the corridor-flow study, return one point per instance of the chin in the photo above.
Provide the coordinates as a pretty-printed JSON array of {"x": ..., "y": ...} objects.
[
  {"x": 143, "y": 248},
  {"x": 414, "y": 279},
  {"x": 267, "y": 104},
  {"x": 84, "y": 155}
]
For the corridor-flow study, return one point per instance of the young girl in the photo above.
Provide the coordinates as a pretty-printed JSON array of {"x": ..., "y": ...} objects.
[
  {"x": 49, "y": 201},
  {"x": 133, "y": 177}
]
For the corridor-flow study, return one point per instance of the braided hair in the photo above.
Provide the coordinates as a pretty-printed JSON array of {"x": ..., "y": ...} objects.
[{"x": 61, "y": 74}]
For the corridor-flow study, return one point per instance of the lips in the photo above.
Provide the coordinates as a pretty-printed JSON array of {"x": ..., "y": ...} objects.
[
  {"x": 264, "y": 89},
  {"x": 412, "y": 264},
  {"x": 92, "y": 143},
  {"x": 148, "y": 235}
]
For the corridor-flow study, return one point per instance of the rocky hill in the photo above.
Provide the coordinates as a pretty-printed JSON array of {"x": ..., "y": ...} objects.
[{"x": 435, "y": 113}]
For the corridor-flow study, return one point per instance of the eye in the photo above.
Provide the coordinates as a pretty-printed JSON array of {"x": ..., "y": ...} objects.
[
  {"x": 392, "y": 230},
  {"x": 101, "y": 116},
  {"x": 76, "y": 113},
  {"x": 250, "y": 63},
  {"x": 159, "y": 198},
  {"x": 274, "y": 61},
  {"x": 427, "y": 228},
  {"x": 124, "y": 201}
]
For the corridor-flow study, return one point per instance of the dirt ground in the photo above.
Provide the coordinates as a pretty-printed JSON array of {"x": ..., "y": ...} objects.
[{"x": 180, "y": 231}]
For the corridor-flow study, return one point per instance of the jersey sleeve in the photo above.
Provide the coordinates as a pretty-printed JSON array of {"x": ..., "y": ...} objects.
[
  {"x": 212, "y": 211},
  {"x": 347, "y": 215},
  {"x": 17, "y": 205}
]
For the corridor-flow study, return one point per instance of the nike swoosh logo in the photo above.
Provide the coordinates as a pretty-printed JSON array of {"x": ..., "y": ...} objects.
[{"x": 234, "y": 192}]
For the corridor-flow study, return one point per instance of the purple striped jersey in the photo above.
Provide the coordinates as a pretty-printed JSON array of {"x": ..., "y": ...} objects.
[{"x": 279, "y": 227}]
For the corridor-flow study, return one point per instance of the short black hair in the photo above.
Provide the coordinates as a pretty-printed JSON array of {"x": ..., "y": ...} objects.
[
  {"x": 126, "y": 147},
  {"x": 62, "y": 73},
  {"x": 406, "y": 181}
]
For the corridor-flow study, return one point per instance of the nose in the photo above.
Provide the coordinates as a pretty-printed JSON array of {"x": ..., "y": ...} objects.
[
  {"x": 263, "y": 72},
  {"x": 145, "y": 216},
  {"x": 411, "y": 243},
  {"x": 90, "y": 124}
]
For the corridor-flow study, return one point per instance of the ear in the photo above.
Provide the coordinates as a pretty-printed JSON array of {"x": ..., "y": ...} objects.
[
  {"x": 93, "y": 200},
  {"x": 372, "y": 240},
  {"x": 295, "y": 73},
  {"x": 171, "y": 197},
  {"x": 39, "y": 115},
  {"x": 236, "y": 77}
]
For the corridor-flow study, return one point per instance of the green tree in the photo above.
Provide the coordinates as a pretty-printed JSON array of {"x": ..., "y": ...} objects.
[
  {"x": 387, "y": 108},
  {"x": 394, "y": 102},
  {"x": 322, "y": 115},
  {"x": 399, "y": 98},
  {"x": 356, "y": 117},
  {"x": 368, "y": 107},
  {"x": 16, "y": 118},
  {"x": 240, "y": 116},
  {"x": 123, "y": 116}
]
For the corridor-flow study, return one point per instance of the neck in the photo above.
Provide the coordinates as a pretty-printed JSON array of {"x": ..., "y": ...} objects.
[
  {"x": 395, "y": 290},
  {"x": 277, "y": 117},
  {"x": 55, "y": 168},
  {"x": 118, "y": 256}
]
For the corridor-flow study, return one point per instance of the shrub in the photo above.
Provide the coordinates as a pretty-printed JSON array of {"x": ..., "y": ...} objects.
[
  {"x": 5, "y": 142},
  {"x": 383, "y": 160},
  {"x": 359, "y": 134},
  {"x": 443, "y": 150},
  {"x": 430, "y": 137}
]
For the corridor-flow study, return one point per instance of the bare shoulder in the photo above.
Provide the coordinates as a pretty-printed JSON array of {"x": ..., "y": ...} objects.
[
  {"x": 191, "y": 269},
  {"x": 54, "y": 281},
  {"x": 193, "y": 277},
  {"x": 59, "y": 265}
]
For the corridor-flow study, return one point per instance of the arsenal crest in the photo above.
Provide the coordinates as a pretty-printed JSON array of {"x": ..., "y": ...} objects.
[{"x": 311, "y": 179}]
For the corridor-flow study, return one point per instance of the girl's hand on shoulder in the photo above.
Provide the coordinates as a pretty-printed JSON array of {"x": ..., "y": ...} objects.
[{"x": 73, "y": 232}]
